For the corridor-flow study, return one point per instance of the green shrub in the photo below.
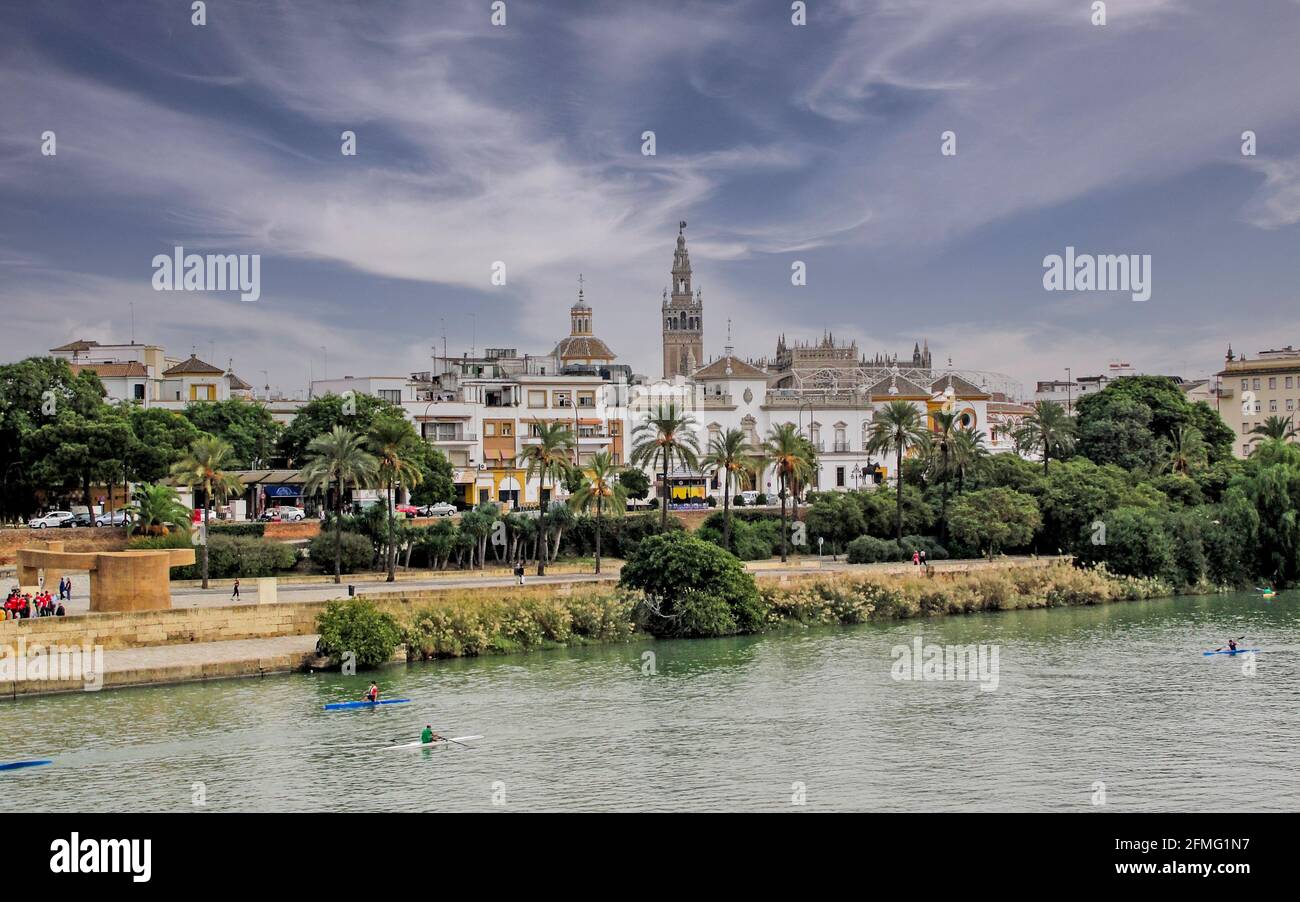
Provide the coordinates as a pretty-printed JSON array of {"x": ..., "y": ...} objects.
[
  {"x": 359, "y": 629},
  {"x": 683, "y": 578},
  {"x": 358, "y": 552},
  {"x": 254, "y": 529},
  {"x": 228, "y": 556},
  {"x": 870, "y": 550}
]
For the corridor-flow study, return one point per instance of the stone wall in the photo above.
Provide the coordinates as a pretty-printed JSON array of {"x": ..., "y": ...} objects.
[{"x": 99, "y": 538}]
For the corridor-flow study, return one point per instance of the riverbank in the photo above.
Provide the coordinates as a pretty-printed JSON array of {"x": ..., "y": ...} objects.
[{"x": 248, "y": 640}]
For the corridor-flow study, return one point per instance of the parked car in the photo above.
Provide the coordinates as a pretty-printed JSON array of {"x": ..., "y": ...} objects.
[
  {"x": 441, "y": 509},
  {"x": 292, "y": 514},
  {"x": 409, "y": 509},
  {"x": 270, "y": 515},
  {"x": 751, "y": 498},
  {"x": 53, "y": 518},
  {"x": 115, "y": 518},
  {"x": 81, "y": 518}
]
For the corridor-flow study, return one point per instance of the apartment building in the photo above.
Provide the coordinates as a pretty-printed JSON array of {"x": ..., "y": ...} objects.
[{"x": 1250, "y": 390}]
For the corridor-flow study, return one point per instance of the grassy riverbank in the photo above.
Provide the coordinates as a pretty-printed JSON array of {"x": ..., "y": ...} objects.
[{"x": 469, "y": 625}]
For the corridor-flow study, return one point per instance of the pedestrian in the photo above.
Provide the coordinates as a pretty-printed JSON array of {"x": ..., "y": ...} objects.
[
  {"x": 235, "y": 594},
  {"x": 69, "y": 588},
  {"x": 519, "y": 572},
  {"x": 916, "y": 558},
  {"x": 923, "y": 562}
]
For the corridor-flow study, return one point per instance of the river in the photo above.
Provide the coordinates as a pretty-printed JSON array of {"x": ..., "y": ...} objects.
[{"x": 1118, "y": 695}]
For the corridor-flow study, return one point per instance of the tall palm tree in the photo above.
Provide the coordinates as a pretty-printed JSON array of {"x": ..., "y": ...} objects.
[
  {"x": 787, "y": 451},
  {"x": 548, "y": 457},
  {"x": 1048, "y": 430},
  {"x": 732, "y": 458},
  {"x": 338, "y": 458},
  {"x": 394, "y": 445},
  {"x": 896, "y": 427},
  {"x": 204, "y": 465},
  {"x": 153, "y": 508},
  {"x": 1277, "y": 428},
  {"x": 945, "y": 427},
  {"x": 666, "y": 438},
  {"x": 968, "y": 452},
  {"x": 1185, "y": 449},
  {"x": 602, "y": 490}
]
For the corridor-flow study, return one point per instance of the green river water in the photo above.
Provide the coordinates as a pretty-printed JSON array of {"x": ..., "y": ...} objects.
[{"x": 1117, "y": 694}]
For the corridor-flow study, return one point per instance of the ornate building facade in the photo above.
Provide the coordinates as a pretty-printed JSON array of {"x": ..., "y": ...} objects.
[{"x": 683, "y": 317}]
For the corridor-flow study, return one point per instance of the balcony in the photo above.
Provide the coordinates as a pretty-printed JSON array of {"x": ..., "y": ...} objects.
[
  {"x": 841, "y": 448},
  {"x": 458, "y": 438}
]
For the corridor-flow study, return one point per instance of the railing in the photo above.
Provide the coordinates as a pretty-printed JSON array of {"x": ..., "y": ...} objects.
[
  {"x": 842, "y": 447},
  {"x": 460, "y": 437}
]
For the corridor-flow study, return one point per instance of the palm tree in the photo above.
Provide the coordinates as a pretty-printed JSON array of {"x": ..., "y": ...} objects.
[
  {"x": 602, "y": 489},
  {"x": 153, "y": 508},
  {"x": 1049, "y": 430},
  {"x": 945, "y": 427},
  {"x": 1185, "y": 449},
  {"x": 548, "y": 457},
  {"x": 394, "y": 445},
  {"x": 787, "y": 451},
  {"x": 204, "y": 465},
  {"x": 731, "y": 457},
  {"x": 896, "y": 427},
  {"x": 967, "y": 452},
  {"x": 1277, "y": 428},
  {"x": 666, "y": 438},
  {"x": 339, "y": 458}
]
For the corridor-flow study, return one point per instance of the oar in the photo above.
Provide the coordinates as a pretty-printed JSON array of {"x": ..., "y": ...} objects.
[
  {"x": 439, "y": 739},
  {"x": 1222, "y": 647}
]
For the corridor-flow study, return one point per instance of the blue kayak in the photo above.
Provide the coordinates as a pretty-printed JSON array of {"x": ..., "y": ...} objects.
[
  {"x": 343, "y": 706},
  {"x": 1239, "y": 651},
  {"x": 16, "y": 765}
]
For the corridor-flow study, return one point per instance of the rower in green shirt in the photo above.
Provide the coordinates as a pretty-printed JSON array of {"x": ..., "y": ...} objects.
[{"x": 428, "y": 735}]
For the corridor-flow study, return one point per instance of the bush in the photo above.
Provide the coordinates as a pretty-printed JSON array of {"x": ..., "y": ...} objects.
[
  {"x": 761, "y": 500},
  {"x": 254, "y": 529},
  {"x": 228, "y": 556},
  {"x": 356, "y": 627},
  {"x": 870, "y": 550},
  {"x": 687, "y": 583},
  {"x": 358, "y": 552}
]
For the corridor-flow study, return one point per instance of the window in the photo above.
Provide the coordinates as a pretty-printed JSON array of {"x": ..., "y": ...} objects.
[
  {"x": 1257, "y": 406},
  {"x": 839, "y": 477},
  {"x": 391, "y": 395},
  {"x": 489, "y": 428},
  {"x": 1245, "y": 385},
  {"x": 139, "y": 391},
  {"x": 562, "y": 399},
  {"x": 1272, "y": 381},
  {"x": 1254, "y": 383},
  {"x": 508, "y": 429},
  {"x": 1289, "y": 380},
  {"x": 1245, "y": 428},
  {"x": 1272, "y": 406},
  {"x": 536, "y": 397},
  {"x": 586, "y": 399},
  {"x": 440, "y": 432},
  {"x": 1290, "y": 404}
]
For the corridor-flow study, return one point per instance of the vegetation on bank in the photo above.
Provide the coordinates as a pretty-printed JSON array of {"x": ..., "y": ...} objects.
[{"x": 468, "y": 625}]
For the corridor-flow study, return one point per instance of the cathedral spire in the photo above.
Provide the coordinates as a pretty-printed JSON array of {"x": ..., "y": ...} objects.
[{"x": 681, "y": 267}]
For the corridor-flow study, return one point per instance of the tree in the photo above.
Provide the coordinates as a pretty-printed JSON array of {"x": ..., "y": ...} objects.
[
  {"x": 395, "y": 444},
  {"x": 548, "y": 458},
  {"x": 602, "y": 490},
  {"x": 635, "y": 482},
  {"x": 731, "y": 457},
  {"x": 1276, "y": 428},
  {"x": 691, "y": 588},
  {"x": 1048, "y": 431},
  {"x": 245, "y": 425},
  {"x": 1124, "y": 423},
  {"x": 161, "y": 438},
  {"x": 1136, "y": 544},
  {"x": 995, "y": 518},
  {"x": 836, "y": 517},
  {"x": 666, "y": 439},
  {"x": 967, "y": 454},
  {"x": 786, "y": 451},
  {"x": 204, "y": 466},
  {"x": 338, "y": 458},
  {"x": 356, "y": 412},
  {"x": 896, "y": 427},
  {"x": 436, "y": 482},
  {"x": 945, "y": 428},
  {"x": 155, "y": 507},
  {"x": 1184, "y": 450}
]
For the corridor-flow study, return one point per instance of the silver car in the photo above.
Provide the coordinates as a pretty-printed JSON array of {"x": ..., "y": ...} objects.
[{"x": 52, "y": 519}]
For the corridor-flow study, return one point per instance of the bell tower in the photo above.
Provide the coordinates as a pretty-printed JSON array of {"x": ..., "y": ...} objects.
[{"x": 683, "y": 316}]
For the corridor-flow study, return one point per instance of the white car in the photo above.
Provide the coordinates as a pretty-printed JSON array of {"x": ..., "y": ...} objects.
[
  {"x": 53, "y": 518},
  {"x": 751, "y": 498},
  {"x": 116, "y": 518},
  {"x": 441, "y": 509},
  {"x": 292, "y": 514}
]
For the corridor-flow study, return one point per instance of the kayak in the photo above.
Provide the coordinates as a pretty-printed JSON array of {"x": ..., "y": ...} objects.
[
  {"x": 343, "y": 706},
  {"x": 1239, "y": 651},
  {"x": 17, "y": 765},
  {"x": 437, "y": 743}
]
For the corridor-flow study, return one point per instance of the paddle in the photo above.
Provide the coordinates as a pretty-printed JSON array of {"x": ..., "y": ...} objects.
[{"x": 1222, "y": 647}]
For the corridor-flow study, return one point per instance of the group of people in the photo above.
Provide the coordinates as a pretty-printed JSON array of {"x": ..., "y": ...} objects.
[
  {"x": 23, "y": 605},
  {"x": 918, "y": 558}
]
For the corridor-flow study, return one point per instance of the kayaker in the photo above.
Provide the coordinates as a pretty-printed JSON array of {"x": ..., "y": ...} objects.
[
  {"x": 1232, "y": 645},
  {"x": 372, "y": 694},
  {"x": 428, "y": 735}
]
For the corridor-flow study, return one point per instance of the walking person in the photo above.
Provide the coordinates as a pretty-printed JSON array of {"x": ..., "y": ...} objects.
[
  {"x": 923, "y": 561},
  {"x": 235, "y": 593},
  {"x": 519, "y": 572},
  {"x": 916, "y": 558}
]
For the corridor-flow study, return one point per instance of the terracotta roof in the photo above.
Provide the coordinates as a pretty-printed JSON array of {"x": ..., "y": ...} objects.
[
  {"x": 109, "y": 370},
  {"x": 585, "y": 347},
  {"x": 906, "y": 388},
  {"x": 194, "y": 366},
  {"x": 962, "y": 388},
  {"x": 238, "y": 384},
  {"x": 80, "y": 344},
  {"x": 1010, "y": 407},
  {"x": 739, "y": 369}
]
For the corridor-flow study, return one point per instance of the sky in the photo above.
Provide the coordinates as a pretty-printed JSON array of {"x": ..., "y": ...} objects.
[{"x": 778, "y": 143}]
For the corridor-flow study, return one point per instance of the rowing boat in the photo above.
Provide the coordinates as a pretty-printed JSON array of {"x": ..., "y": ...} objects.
[
  {"x": 18, "y": 765},
  {"x": 346, "y": 706},
  {"x": 437, "y": 743},
  {"x": 1232, "y": 651}
]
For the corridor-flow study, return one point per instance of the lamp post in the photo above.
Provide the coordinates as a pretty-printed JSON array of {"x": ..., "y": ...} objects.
[{"x": 1069, "y": 391}]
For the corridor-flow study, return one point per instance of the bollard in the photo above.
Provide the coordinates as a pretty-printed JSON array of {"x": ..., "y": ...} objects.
[{"x": 352, "y": 590}]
